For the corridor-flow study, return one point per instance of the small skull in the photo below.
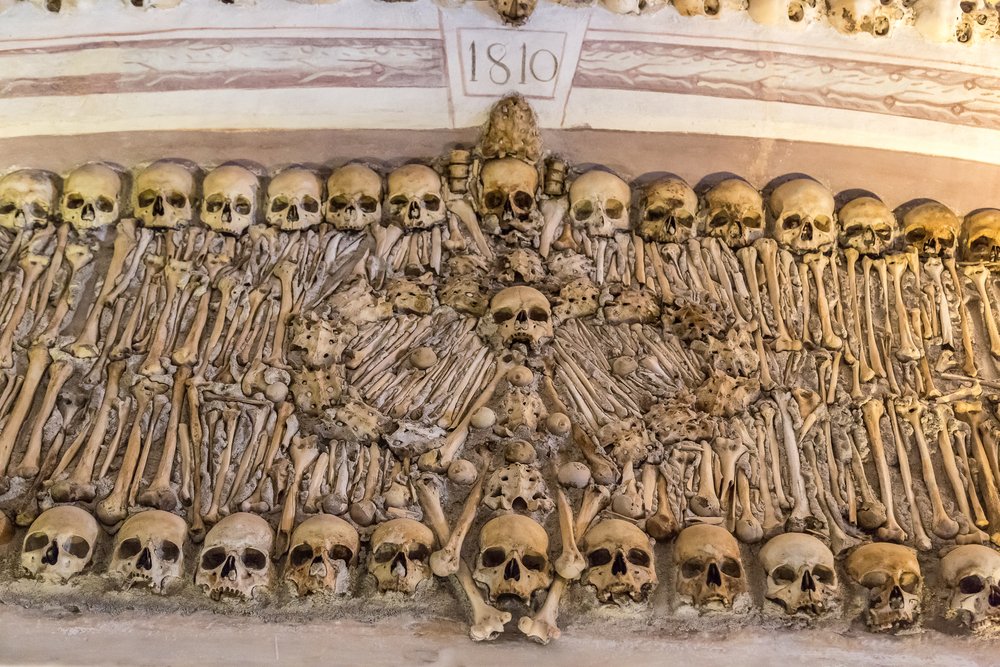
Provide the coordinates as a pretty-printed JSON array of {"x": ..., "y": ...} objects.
[
  {"x": 164, "y": 195},
  {"x": 522, "y": 315},
  {"x": 854, "y": 16},
  {"x": 892, "y": 576},
  {"x": 931, "y": 229},
  {"x": 981, "y": 237},
  {"x": 507, "y": 198},
  {"x": 513, "y": 557},
  {"x": 734, "y": 213},
  {"x": 867, "y": 225},
  {"x": 577, "y": 298},
  {"x": 91, "y": 197},
  {"x": 354, "y": 198},
  {"x": 235, "y": 559},
  {"x": 400, "y": 555},
  {"x": 514, "y": 12},
  {"x": 710, "y": 569},
  {"x": 667, "y": 212},
  {"x": 517, "y": 488},
  {"x": 27, "y": 199},
  {"x": 599, "y": 203},
  {"x": 803, "y": 216},
  {"x": 619, "y": 561},
  {"x": 972, "y": 573},
  {"x": 293, "y": 200},
  {"x": 800, "y": 573},
  {"x": 59, "y": 544},
  {"x": 231, "y": 196},
  {"x": 149, "y": 549},
  {"x": 633, "y": 306},
  {"x": 416, "y": 199},
  {"x": 323, "y": 548},
  {"x": 780, "y": 12}
]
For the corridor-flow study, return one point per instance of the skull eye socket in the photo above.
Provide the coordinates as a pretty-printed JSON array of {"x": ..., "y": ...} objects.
[
  {"x": 538, "y": 314},
  {"x": 583, "y": 211},
  {"x": 852, "y": 231},
  {"x": 502, "y": 315},
  {"x": 874, "y": 579},
  {"x": 783, "y": 574},
  {"x": 74, "y": 201},
  {"x": 494, "y": 557},
  {"x": 916, "y": 235},
  {"x": 614, "y": 208},
  {"x": 824, "y": 575},
  {"x": 534, "y": 562},
  {"x": 719, "y": 220},
  {"x": 598, "y": 558},
  {"x": 254, "y": 559},
  {"x": 177, "y": 199},
  {"x": 731, "y": 568},
  {"x": 242, "y": 206},
  {"x": 105, "y": 205},
  {"x": 309, "y": 204},
  {"x": 399, "y": 201},
  {"x": 909, "y": 582},
  {"x": 77, "y": 546},
  {"x": 169, "y": 551},
  {"x": 386, "y": 552},
  {"x": 971, "y": 584},
  {"x": 146, "y": 198},
  {"x": 791, "y": 222},
  {"x": 213, "y": 558},
  {"x": 432, "y": 202},
  {"x": 753, "y": 222},
  {"x": 214, "y": 203},
  {"x": 691, "y": 568},
  {"x": 279, "y": 204},
  {"x": 494, "y": 199},
  {"x": 822, "y": 223},
  {"x": 638, "y": 557},
  {"x": 523, "y": 200},
  {"x": 338, "y": 203},
  {"x": 35, "y": 541},
  {"x": 7, "y": 207},
  {"x": 129, "y": 548},
  {"x": 300, "y": 555},
  {"x": 341, "y": 552},
  {"x": 368, "y": 204}
]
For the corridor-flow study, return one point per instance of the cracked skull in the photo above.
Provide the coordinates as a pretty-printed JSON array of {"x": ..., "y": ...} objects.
[
  {"x": 667, "y": 212},
  {"x": 803, "y": 216},
  {"x": 416, "y": 199},
  {"x": 734, "y": 213},
  {"x": 27, "y": 199},
  {"x": 931, "y": 229},
  {"x": 230, "y": 204},
  {"x": 709, "y": 566},
  {"x": 59, "y": 544},
  {"x": 293, "y": 200},
  {"x": 800, "y": 573},
  {"x": 323, "y": 547},
  {"x": 972, "y": 574},
  {"x": 599, "y": 203},
  {"x": 164, "y": 195},
  {"x": 149, "y": 550},
  {"x": 507, "y": 199},
  {"x": 400, "y": 555},
  {"x": 354, "y": 198},
  {"x": 892, "y": 576},
  {"x": 522, "y": 315},
  {"x": 91, "y": 197},
  {"x": 867, "y": 225},
  {"x": 619, "y": 561},
  {"x": 981, "y": 236},
  {"x": 513, "y": 557},
  {"x": 235, "y": 559}
]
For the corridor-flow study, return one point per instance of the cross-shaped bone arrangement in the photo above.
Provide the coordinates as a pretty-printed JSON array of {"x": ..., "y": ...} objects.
[{"x": 501, "y": 370}]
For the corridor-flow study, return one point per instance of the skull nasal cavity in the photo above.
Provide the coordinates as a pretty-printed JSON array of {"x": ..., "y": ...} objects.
[
  {"x": 808, "y": 584},
  {"x": 414, "y": 211},
  {"x": 229, "y": 567},
  {"x": 158, "y": 206},
  {"x": 896, "y": 598},
  {"x": 714, "y": 576},
  {"x": 51, "y": 554},
  {"x": 145, "y": 561},
  {"x": 994, "y": 596},
  {"x": 512, "y": 570},
  {"x": 619, "y": 568}
]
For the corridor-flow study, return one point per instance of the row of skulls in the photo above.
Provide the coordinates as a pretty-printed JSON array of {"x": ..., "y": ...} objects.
[
  {"x": 801, "y": 214},
  {"x": 513, "y": 562}
]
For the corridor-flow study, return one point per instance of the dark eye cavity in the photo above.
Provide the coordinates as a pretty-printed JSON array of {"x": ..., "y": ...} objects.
[
  {"x": 213, "y": 558},
  {"x": 583, "y": 211},
  {"x": 523, "y": 200},
  {"x": 432, "y": 202},
  {"x": 309, "y": 204},
  {"x": 731, "y": 568},
  {"x": 494, "y": 199},
  {"x": 341, "y": 552},
  {"x": 638, "y": 557},
  {"x": 77, "y": 546},
  {"x": 279, "y": 204},
  {"x": 783, "y": 574},
  {"x": 74, "y": 201},
  {"x": 177, "y": 199},
  {"x": 494, "y": 556},
  {"x": 105, "y": 205},
  {"x": 254, "y": 559},
  {"x": 129, "y": 548},
  {"x": 368, "y": 204},
  {"x": 598, "y": 557},
  {"x": 35, "y": 541},
  {"x": 242, "y": 206},
  {"x": 534, "y": 562},
  {"x": 300, "y": 555},
  {"x": 214, "y": 203},
  {"x": 971, "y": 584},
  {"x": 614, "y": 208},
  {"x": 146, "y": 198},
  {"x": 169, "y": 551},
  {"x": 386, "y": 552}
]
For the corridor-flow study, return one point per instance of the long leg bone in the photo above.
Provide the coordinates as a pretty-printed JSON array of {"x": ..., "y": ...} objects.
[
  {"x": 767, "y": 249},
  {"x": 896, "y": 266},
  {"x": 77, "y": 257},
  {"x": 445, "y": 561},
  {"x": 872, "y": 412},
  {"x": 768, "y": 413},
  {"x": 979, "y": 274},
  {"x": 934, "y": 268},
  {"x": 38, "y": 361},
  {"x": 59, "y": 372},
  {"x": 800, "y": 513},
  {"x": 706, "y": 502},
  {"x": 817, "y": 263},
  {"x": 874, "y": 356},
  {"x": 159, "y": 494},
  {"x": 972, "y": 414},
  {"x": 303, "y": 453},
  {"x": 920, "y": 539},
  {"x": 943, "y": 525},
  {"x": 32, "y": 266},
  {"x": 965, "y": 320}
]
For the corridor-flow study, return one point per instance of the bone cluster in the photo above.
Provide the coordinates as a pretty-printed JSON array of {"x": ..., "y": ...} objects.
[
  {"x": 956, "y": 21},
  {"x": 501, "y": 370}
]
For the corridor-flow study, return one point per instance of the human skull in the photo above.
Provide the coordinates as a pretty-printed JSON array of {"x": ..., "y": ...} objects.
[
  {"x": 507, "y": 198},
  {"x": 892, "y": 576},
  {"x": 972, "y": 573},
  {"x": 854, "y": 16},
  {"x": 667, "y": 211},
  {"x": 323, "y": 547},
  {"x": 149, "y": 549},
  {"x": 800, "y": 573},
  {"x": 803, "y": 216},
  {"x": 59, "y": 544},
  {"x": 522, "y": 315},
  {"x": 354, "y": 198},
  {"x": 710, "y": 570},
  {"x": 27, "y": 199},
  {"x": 577, "y": 298},
  {"x": 514, "y": 12},
  {"x": 599, "y": 203},
  {"x": 697, "y": 7},
  {"x": 734, "y": 213},
  {"x": 293, "y": 200},
  {"x": 91, "y": 196},
  {"x": 867, "y": 225},
  {"x": 235, "y": 559},
  {"x": 619, "y": 560},
  {"x": 981, "y": 236},
  {"x": 164, "y": 195},
  {"x": 517, "y": 488},
  {"x": 231, "y": 196},
  {"x": 400, "y": 555},
  {"x": 416, "y": 199},
  {"x": 513, "y": 557},
  {"x": 633, "y": 306},
  {"x": 467, "y": 294},
  {"x": 931, "y": 229}
]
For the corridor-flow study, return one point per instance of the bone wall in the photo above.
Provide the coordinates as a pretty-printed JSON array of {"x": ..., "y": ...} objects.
[{"x": 502, "y": 378}]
